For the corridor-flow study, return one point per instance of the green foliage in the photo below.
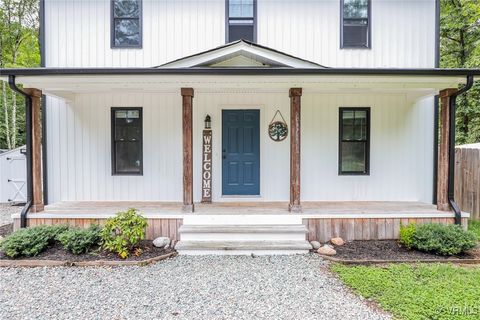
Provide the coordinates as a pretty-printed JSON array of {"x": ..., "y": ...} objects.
[
  {"x": 443, "y": 239},
  {"x": 460, "y": 48},
  {"x": 31, "y": 241},
  {"x": 80, "y": 241},
  {"x": 424, "y": 291},
  {"x": 123, "y": 232},
  {"x": 19, "y": 48},
  {"x": 474, "y": 226},
  {"x": 406, "y": 235}
]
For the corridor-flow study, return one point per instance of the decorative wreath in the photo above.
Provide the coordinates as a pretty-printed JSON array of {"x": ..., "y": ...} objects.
[{"x": 278, "y": 130}]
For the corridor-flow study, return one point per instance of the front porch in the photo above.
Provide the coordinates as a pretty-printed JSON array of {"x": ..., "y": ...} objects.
[{"x": 351, "y": 220}]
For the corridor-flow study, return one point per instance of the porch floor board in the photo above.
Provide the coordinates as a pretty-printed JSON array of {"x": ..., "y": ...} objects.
[{"x": 309, "y": 207}]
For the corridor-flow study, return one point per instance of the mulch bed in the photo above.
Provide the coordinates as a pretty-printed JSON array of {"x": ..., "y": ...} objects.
[
  {"x": 57, "y": 253},
  {"x": 391, "y": 250}
]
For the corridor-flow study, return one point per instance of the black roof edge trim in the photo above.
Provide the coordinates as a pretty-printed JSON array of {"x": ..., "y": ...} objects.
[{"x": 238, "y": 71}]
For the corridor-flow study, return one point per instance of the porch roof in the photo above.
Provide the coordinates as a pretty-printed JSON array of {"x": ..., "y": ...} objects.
[{"x": 65, "y": 82}]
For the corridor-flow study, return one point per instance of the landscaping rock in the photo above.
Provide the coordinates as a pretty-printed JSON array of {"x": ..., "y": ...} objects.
[
  {"x": 337, "y": 241},
  {"x": 327, "y": 250},
  {"x": 162, "y": 242},
  {"x": 315, "y": 244}
]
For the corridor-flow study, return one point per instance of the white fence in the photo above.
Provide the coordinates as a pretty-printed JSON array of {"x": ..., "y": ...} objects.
[{"x": 13, "y": 176}]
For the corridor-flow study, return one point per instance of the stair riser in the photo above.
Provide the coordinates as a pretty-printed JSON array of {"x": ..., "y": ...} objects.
[
  {"x": 242, "y": 236},
  {"x": 241, "y": 220},
  {"x": 241, "y": 252}
]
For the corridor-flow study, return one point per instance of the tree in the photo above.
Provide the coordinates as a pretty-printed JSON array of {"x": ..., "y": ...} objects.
[
  {"x": 19, "y": 47},
  {"x": 460, "y": 48}
]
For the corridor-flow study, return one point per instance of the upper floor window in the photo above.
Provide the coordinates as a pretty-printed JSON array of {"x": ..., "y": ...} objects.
[
  {"x": 127, "y": 141},
  {"x": 355, "y": 20},
  {"x": 241, "y": 20},
  {"x": 354, "y": 146},
  {"x": 126, "y": 24}
]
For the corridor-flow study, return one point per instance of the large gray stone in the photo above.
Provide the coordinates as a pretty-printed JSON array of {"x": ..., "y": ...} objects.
[
  {"x": 161, "y": 242},
  {"x": 315, "y": 244}
]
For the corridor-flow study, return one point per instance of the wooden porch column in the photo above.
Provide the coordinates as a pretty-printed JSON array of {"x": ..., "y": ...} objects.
[
  {"x": 187, "y": 103},
  {"x": 295, "y": 111},
  {"x": 37, "y": 205},
  {"x": 442, "y": 175}
]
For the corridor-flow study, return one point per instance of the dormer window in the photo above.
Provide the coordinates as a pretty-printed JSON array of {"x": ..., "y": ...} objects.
[
  {"x": 355, "y": 24},
  {"x": 241, "y": 20},
  {"x": 126, "y": 26}
]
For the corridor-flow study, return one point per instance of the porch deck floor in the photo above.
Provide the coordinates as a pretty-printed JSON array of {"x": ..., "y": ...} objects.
[{"x": 309, "y": 207}]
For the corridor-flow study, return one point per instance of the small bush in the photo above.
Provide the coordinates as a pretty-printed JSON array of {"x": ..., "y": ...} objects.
[
  {"x": 406, "y": 235},
  {"x": 442, "y": 239},
  {"x": 31, "y": 241},
  {"x": 79, "y": 241},
  {"x": 474, "y": 226},
  {"x": 123, "y": 232}
]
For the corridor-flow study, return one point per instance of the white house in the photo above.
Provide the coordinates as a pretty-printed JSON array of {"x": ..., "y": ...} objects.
[{"x": 321, "y": 119}]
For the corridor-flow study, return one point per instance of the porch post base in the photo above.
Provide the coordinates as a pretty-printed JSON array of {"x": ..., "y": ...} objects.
[
  {"x": 188, "y": 208},
  {"x": 443, "y": 207},
  {"x": 37, "y": 208},
  {"x": 296, "y": 208}
]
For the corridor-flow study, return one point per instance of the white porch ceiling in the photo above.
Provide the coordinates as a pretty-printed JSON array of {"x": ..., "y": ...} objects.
[{"x": 66, "y": 86}]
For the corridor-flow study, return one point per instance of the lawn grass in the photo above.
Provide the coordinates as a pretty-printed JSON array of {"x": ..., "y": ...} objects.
[
  {"x": 474, "y": 226},
  {"x": 422, "y": 291}
]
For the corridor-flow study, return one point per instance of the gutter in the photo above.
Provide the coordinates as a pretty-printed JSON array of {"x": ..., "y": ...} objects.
[
  {"x": 240, "y": 71},
  {"x": 451, "y": 150},
  {"x": 44, "y": 104},
  {"x": 28, "y": 122}
]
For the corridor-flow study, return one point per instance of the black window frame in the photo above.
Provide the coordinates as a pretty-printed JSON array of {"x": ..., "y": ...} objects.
[
  {"x": 369, "y": 26},
  {"x": 113, "y": 142},
  {"x": 227, "y": 21},
  {"x": 366, "y": 172},
  {"x": 112, "y": 27}
]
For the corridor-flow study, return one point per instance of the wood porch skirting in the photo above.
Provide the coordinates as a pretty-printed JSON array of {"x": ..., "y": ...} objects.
[
  {"x": 363, "y": 229},
  {"x": 320, "y": 229}
]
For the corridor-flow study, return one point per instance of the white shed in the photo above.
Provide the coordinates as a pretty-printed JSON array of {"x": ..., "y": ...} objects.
[{"x": 13, "y": 187}]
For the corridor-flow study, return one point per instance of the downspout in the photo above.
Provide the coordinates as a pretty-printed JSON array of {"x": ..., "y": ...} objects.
[
  {"x": 28, "y": 123},
  {"x": 451, "y": 150}
]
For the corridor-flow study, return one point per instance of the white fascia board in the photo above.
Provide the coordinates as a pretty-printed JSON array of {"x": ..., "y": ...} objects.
[{"x": 240, "y": 47}]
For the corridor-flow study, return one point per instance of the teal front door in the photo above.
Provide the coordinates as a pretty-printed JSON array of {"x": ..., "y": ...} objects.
[{"x": 241, "y": 152}]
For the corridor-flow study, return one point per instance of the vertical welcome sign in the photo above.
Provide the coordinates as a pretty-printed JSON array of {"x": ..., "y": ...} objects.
[{"x": 207, "y": 166}]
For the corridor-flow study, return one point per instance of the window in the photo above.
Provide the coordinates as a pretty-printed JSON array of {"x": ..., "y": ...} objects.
[
  {"x": 241, "y": 20},
  {"x": 354, "y": 146},
  {"x": 355, "y": 20},
  {"x": 127, "y": 157},
  {"x": 126, "y": 24}
]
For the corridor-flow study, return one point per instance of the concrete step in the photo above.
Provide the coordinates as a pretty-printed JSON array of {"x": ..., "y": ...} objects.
[
  {"x": 241, "y": 219},
  {"x": 262, "y": 228},
  {"x": 243, "y": 232},
  {"x": 243, "y": 247}
]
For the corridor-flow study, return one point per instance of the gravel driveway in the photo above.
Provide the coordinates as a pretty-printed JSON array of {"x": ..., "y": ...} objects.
[
  {"x": 208, "y": 287},
  {"x": 6, "y": 211}
]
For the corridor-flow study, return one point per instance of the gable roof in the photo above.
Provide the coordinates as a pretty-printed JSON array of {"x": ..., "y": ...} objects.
[{"x": 241, "y": 54}]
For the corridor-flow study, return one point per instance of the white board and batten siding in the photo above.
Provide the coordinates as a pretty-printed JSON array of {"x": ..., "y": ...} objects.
[
  {"x": 78, "y": 32},
  {"x": 79, "y": 137},
  {"x": 80, "y": 147}
]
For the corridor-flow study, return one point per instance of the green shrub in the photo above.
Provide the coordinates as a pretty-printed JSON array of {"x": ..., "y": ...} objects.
[
  {"x": 78, "y": 240},
  {"x": 474, "y": 226},
  {"x": 406, "y": 235},
  {"x": 123, "y": 232},
  {"x": 443, "y": 239},
  {"x": 31, "y": 241}
]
